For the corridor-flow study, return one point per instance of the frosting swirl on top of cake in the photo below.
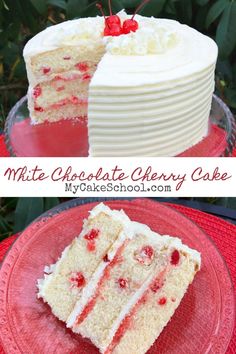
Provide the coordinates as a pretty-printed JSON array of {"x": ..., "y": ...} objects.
[
  {"x": 152, "y": 37},
  {"x": 81, "y": 32}
]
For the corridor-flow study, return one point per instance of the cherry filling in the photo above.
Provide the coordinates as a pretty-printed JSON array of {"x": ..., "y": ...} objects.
[
  {"x": 155, "y": 286},
  {"x": 78, "y": 280},
  {"x": 175, "y": 257}
]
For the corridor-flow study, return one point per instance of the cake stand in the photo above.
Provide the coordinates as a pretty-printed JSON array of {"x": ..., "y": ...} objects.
[{"x": 69, "y": 138}]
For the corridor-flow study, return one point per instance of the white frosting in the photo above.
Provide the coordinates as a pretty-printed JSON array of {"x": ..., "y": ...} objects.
[
  {"x": 152, "y": 105},
  {"x": 128, "y": 307},
  {"x": 81, "y": 32},
  {"x": 49, "y": 271},
  {"x": 150, "y": 38}
]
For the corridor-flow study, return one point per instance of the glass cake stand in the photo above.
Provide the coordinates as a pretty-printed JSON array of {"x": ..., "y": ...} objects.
[{"x": 69, "y": 138}]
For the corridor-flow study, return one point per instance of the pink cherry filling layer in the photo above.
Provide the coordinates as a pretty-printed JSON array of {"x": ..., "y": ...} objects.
[{"x": 58, "y": 83}]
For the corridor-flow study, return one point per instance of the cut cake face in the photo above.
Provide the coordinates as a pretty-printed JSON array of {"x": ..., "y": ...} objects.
[
  {"x": 130, "y": 277},
  {"x": 64, "y": 281}
]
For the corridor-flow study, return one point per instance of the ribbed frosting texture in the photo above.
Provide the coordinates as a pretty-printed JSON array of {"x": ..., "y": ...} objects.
[{"x": 154, "y": 104}]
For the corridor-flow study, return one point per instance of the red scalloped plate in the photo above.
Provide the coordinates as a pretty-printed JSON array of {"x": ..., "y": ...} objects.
[{"x": 202, "y": 324}]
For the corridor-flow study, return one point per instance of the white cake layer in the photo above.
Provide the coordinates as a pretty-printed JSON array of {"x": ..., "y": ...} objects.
[{"x": 103, "y": 333}]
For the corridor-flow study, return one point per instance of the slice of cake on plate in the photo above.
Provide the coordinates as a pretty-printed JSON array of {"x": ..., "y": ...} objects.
[
  {"x": 147, "y": 92},
  {"x": 126, "y": 299},
  {"x": 102, "y": 234}
]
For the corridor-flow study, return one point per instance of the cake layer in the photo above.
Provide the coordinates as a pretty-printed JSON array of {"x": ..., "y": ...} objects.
[
  {"x": 154, "y": 309},
  {"x": 65, "y": 280},
  {"x": 64, "y": 96},
  {"x": 119, "y": 283},
  {"x": 60, "y": 48},
  {"x": 142, "y": 272}
]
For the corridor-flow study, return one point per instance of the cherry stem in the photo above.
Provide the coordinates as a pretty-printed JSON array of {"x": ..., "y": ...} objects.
[
  {"x": 110, "y": 9},
  {"x": 99, "y": 6},
  {"x": 139, "y": 8}
]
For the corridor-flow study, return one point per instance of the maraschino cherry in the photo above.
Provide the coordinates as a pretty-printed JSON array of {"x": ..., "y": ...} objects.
[
  {"x": 131, "y": 25},
  {"x": 113, "y": 25},
  {"x": 112, "y": 19}
]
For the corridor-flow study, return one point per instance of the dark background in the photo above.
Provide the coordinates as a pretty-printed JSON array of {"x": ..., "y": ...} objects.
[{"x": 17, "y": 213}]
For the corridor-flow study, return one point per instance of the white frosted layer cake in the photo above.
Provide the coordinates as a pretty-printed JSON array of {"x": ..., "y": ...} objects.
[
  {"x": 146, "y": 93},
  {"x": 123, "y": 273}
]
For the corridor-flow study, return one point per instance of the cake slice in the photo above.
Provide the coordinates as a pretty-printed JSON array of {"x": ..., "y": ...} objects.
[
  {"x": 137, "y": 294},
  {"x": 132, "y": 282},
  {"x": 103, "y": 233}
]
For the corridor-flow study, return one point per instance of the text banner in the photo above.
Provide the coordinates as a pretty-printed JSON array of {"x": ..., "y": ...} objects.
[{"x": 118, "y": 177}]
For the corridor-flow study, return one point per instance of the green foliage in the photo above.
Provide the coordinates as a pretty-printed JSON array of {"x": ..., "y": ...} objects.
[
  {"x": 17, "y": 213},
  {"x": 20, "y": 20}
]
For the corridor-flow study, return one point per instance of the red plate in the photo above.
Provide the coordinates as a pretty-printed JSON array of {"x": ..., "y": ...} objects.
[
  {"x": 72, "y": 140},
  {"x": 203, "y": 322},
  {"x": 69, "y": 138}
]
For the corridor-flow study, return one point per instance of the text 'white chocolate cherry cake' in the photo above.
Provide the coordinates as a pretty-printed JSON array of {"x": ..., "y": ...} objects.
[
  {"x": 145, "y": 84},
  {"x": 122, "y": 269}
]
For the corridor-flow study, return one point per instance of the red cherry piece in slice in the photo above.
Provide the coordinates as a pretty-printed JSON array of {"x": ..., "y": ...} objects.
[
  {"x": 175, "y": 257},
  {"x": 78, "y": 280},
  {"x": 46, "y": 70},
  {"x": 106, "y": 259},
  {"x": 86, "y": 77},
  {"x": 38, "y": 109},
  {"x": 148, "y": 251},
  {"x": 111, "y": 20},
  {"x": 130, "y": 26},
  {"x": 60, "y": 88},
  {"x": 155, "y": 286},
  {"x": 37, "y": 91},
  {"x": 92, "y": 234},
  {"x": 83, "y": 67},
  {"x": 91, "y": 246},
  {"x": 123, "y": 283},
  {"x": 162, "y": 301},
  {"x": 145, "y": 255}
]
